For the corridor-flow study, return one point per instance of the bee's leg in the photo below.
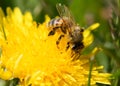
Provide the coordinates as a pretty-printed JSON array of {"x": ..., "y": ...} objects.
[
  {"x": 52, "y": 32},
  {"x": 68, "y": 45},
  {"x": 58, "y": 41},
  {"x": 63, "y": 29}
]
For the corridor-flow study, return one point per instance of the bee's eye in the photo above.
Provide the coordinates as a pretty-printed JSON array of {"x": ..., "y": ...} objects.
[{"x": 82, "y": 30}]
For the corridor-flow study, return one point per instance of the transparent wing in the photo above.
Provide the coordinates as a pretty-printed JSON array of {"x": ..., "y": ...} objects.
[{"x": 64, "y": 12}]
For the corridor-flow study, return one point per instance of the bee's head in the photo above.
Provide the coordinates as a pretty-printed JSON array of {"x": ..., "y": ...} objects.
[{"x": 77, "y": 34}]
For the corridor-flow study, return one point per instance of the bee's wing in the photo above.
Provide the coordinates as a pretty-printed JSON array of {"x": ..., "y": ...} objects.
[{"x": 64, "y": 12}]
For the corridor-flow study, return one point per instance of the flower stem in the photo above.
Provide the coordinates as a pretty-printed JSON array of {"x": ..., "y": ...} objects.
[{"x": 90, "y": 70}]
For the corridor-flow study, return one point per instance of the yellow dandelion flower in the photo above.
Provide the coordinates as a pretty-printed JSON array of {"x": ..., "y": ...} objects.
[{"x": 28, "y": 53}]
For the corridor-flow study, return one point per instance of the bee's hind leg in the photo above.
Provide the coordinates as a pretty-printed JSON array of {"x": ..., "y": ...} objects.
[
  {"x": 58, "y": 41},
  {"x": 52, "y": 32}
]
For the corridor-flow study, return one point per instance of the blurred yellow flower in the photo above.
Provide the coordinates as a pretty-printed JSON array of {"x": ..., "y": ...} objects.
[
  {"x": 88, "y": 38},
  {"x": 28, "y": 53}
]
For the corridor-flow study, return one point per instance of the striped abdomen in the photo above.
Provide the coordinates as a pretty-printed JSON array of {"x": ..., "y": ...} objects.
[{"x": 56, "y": 22}]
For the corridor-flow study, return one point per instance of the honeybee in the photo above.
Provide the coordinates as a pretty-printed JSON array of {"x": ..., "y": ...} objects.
[{"x": 68, "y": 26}]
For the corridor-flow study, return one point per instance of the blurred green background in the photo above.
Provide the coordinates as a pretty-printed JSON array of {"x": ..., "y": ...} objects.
[{"x": 85, "y": 12}]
